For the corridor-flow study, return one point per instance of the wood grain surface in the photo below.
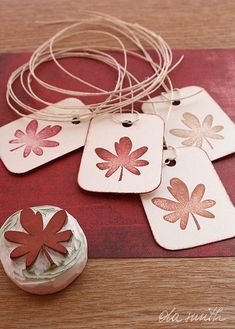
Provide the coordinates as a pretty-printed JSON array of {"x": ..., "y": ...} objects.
[{"x": 127, "y": 293}]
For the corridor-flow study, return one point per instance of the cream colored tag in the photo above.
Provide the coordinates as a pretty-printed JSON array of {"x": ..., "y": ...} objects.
[
  {"x": 191, "y": 207},
  {"x": 122, "y": 159},
  {"x": 196, "y": 121},
  {"x": 28, "y": 143}
]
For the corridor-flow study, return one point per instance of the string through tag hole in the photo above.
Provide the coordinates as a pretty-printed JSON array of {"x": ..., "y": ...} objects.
[
  {"x": 127, "y": 123},
  {"x": 173, "y": 101},
  {"x": 75, "y": 121}
]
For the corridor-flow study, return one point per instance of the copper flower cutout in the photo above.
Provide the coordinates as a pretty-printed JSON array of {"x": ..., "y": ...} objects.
[
  {"x": 123, "y": 159},
  {"x": 34, "y": 141},
  {"x": 198, "y": 131},
  {"x": 186, "y": 205},
  {"x": 37, "y": 237}
]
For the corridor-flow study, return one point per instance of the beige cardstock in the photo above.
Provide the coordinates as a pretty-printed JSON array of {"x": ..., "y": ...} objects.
[
  {"x": 191, "y": 207},
  {"x": 122, "y": 159},
  {"x": 28, "y": 143},
  {"x": 196, "y": 121}
]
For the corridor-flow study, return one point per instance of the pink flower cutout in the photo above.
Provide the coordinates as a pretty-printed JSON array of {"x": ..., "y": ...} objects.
[
  {"x": 34, "y": 141},
  {"x": 124, "y": 158}
]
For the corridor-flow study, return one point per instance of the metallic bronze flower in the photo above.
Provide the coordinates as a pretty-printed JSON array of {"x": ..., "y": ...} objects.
[
  {"x": 186, "y": 204},
  {"x": 198, "y": 132},
  {"x": 36, "y": 238},
  {"x": 123, "y": 159}
]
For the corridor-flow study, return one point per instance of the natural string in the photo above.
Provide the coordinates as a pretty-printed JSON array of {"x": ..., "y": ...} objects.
[{"x": 120, "y": 96}]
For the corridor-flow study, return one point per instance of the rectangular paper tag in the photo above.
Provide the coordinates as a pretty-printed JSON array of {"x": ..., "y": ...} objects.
[
  {"x": 28, "y": 143},
  {"x": 197, "y": 121},
  {"x": 191, "y": 207},
  {"x": 122, "y": 159}
]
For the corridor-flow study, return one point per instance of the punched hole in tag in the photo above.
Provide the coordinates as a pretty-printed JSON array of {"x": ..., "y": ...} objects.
[
  {"x": 170, "y": 162},
  {"x": 75, "y": 121},
  {"x": 170, "y": 156},
  {"x": 117, "y": 117},
  {"x": 176, "y": 102},
  {"x": 127, "y": 123}
]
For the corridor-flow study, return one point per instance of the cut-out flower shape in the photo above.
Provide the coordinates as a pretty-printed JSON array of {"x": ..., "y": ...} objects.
[
  {"x": 123, "y": 159},
  {"x": 36, "y": 238},
  {"x": 33, "y": 141},
  {"x": 186, "y": 204},
  {"x": 198, "y": 132}
]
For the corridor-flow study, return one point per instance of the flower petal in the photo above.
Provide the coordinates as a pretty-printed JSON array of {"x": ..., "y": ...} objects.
[
  {"x": 198, "y": 192},
  {"x": 45, "y": 143},
  {"x": 32, "y": 256},
  {"x": 103, "y": 165},
  {"x": 56, "y": 223},
  {"x": 216, "y": 129},
  {"x": 165, "y": 204},
  {"x": 49, "y": 131},
  {"x": 31, "y": 222},
  {"x": 132, "y": 169},
  {"x": 140, "y": 163},
  {"x": 172, "y": 218},
  {"x": 37, "y": 150},
  {"x": 181, "y": 132},
  {"x": 207, "y": 204},
  {"x": 198, "y": 142},
  {"x": 63, "y": 236},
  {"x": 19, "y": 251},
  {"x": 104, "y": 154},
  {"x": 19, "y": 133},
  {"x": 112, "y": 170},
  {"x": 189, "y": 141},
  {"x": 16, "y": 237},
  {"x": 32, "y": 128},
  {"x": 27, "y": 151},
  {"x": 179, "y": 190},
  {"x": 57, "y": 247},
  {"x": 16, "y": 141},
  {"x": 214, "y": 135},
  {"x": 138, "y": 153},
  {"x": 204, "y": 213},
  {"x": 207, "y": 122},
  {"x": 123, "y": 147},
  {"x": 191, "y": 121},
  {"x": 184, "y": 221}
]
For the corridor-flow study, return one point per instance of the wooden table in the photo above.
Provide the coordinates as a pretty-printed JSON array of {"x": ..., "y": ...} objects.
[{"x": 126, "y": 293}]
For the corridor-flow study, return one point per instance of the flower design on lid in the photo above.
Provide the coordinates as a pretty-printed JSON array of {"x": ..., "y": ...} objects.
[{"x": 37, "y": 238}]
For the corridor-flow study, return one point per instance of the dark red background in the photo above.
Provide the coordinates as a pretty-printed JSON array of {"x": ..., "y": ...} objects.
[{"x": 115, "y": 225}]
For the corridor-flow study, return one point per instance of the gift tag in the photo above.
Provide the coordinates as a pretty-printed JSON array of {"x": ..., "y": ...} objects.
[
  {"x": 28, "y": 143},
  {"x": 123, "y": 153},
  {"x": 191, "y": 207},
  {"x": 195, "y": 120}
]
